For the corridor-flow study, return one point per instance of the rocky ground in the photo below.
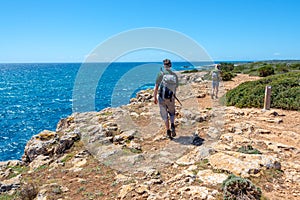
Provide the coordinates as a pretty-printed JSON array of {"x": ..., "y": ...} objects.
[{"x": 123, "y": 153}]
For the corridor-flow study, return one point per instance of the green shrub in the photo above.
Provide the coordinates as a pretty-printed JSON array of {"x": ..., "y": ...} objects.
[
  {"x": 265, "y": 71},
  {"x": 226, "y": 67},
  {"x": 239, "y": 188},
  {"x": 227, "y": 76},
  {"x": 282, "y": 68},
  {"x": 190, "y": 71},
  {"x": 285, "y": 92},
  {"x": 253, "y": 68},
  {"x": 295, "y": 66},
  {"x": 248, "y": 150},
  {"x": 240, "y": 68}
]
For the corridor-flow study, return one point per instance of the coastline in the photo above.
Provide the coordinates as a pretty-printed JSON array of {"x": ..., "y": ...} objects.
[
  {"x": 32, "y": 115},
  {"x": 122, "y": 140}
]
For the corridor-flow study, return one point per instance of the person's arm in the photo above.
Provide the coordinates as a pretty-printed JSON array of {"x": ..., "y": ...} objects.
[{"x": 155, "y": 93}]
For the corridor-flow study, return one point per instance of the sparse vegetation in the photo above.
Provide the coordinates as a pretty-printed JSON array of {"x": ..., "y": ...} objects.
[
  {"x": 42, "y": 167},
  {"x": 248, "y": 150},
  {"x": 239, "y": 188},
  {"x": 9, "y": 197},
  {"x": 190, "y": 71},
  {"x": 16, "y": 170},
  {"x": 203, "y": 164},
  {"x": 131, "y": 150},
  {"x": 29, "y": 191},
  {"x": 57, "y": 190},
  {"x": 107, "y": 113},
  {"x": 67, "y": 157},
  {"x": 267, "y": 178}
]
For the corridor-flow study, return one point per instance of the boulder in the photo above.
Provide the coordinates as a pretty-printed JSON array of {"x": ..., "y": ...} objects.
[
  {"x": 42, "y": 144},
  {"x": 48, "y": 143},
  {"x": 243, "y": 164}
]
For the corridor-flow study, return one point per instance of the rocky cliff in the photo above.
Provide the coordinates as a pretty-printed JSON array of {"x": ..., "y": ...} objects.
[{"x": 123, "y": 153}]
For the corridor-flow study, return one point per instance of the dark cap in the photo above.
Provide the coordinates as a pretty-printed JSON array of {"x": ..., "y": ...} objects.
[{"x": 167, "y": 62}]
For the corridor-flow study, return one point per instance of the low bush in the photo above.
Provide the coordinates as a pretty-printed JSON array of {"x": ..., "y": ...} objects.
[
  {"x": 282, "y": 68},
  {"x": 226, "y": 67},
  {"x": 239, "y": 188},
  {"x": 295, "y": 66},
  {"x": 248, "y": 150},
  {"x": 29, "y": 191},
  {"x": 266, "y": 71},
  {"x": 285, "y": 92},
  {"x": 190, "y": 71},
  {"x": 227, "y": 76}
]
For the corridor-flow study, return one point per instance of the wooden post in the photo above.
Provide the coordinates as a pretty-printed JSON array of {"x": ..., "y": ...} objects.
[{"x": 267, "y": 102}]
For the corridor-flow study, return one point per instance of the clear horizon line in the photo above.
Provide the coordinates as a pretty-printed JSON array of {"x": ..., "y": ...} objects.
[{"x": 238, "y": 60}]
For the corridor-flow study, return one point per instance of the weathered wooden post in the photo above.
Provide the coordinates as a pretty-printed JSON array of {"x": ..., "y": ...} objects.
[{"x": 267, "y": 102}]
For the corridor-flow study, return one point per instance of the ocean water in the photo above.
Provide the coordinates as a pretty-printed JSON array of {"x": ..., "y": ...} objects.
[{"x": 34, "y": 97}]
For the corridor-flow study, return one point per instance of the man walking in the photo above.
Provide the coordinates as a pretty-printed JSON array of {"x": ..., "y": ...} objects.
[{"x": 165, "y": 86}]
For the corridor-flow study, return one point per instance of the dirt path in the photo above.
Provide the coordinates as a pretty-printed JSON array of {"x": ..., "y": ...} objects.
[
  {"x": 204, "y": 117},
  {"x": 159, "y": 152}
]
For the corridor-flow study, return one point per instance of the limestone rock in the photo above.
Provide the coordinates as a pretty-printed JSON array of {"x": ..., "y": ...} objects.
[
  {"x": 141, "y": 189},
  {"x": 42, "y": 144},
  {"x": 66, "y": 142},
  {"x": 242, "y": 164},
  {"x": 65, "y": 123},
  {"x": 125, "y": 189},
  {"x": 121, "y": 178},
  {"x": 195, "y": 192},
  {"x": 10, "y": 184},
  {"x": 48, "y": 143},
  {"x": 39, "y": 161},
  {"x": 208, "y": 177},
  {"x": 262, "y": 131},
  {"x": 143, "y": 96}
]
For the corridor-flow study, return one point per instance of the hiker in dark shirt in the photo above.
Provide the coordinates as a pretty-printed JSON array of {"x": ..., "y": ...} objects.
[{"x": 165, "y": 86}]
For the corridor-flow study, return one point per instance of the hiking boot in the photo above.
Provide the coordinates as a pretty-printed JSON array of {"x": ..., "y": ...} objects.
[
  {"x": 173, "y": 130},
  {"x": 169, "y": 134}
]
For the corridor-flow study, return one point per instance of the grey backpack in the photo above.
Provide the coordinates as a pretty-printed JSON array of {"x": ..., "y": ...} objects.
[{"x": 168, "y": 86}]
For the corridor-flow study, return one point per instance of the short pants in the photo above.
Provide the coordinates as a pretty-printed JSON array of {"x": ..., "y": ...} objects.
[{"x": 167, "y": 106}]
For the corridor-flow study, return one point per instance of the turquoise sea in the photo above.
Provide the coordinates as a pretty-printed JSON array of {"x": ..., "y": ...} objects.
[{"x": 34, "y": 97}]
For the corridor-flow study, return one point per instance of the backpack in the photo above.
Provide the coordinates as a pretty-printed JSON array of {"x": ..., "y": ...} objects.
[
  {"x": 215, "y": 75},
  {"x": 168, "y": 86}
]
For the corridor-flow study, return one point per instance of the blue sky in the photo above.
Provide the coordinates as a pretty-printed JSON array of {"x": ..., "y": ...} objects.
[{"x": 68, "y": 30}]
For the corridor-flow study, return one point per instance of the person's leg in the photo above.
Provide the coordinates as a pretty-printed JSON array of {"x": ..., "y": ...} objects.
[
  {"x": 164, "y": 115},
  {"x": 167, "y": 124},
  {"x": 217, "y": 89},
  {"x": 171, "y": 112},
  {"x": 213, "y": 89}
]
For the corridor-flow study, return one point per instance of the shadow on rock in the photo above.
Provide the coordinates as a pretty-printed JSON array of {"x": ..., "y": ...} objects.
[{"x": 189, "y": 140}]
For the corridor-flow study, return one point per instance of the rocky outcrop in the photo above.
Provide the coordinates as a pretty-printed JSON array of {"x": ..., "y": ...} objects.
[
  {"x": 44, "y": 147},
  {"x": 143, "y": 96},
  {"x": 10, "y": 184}
]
